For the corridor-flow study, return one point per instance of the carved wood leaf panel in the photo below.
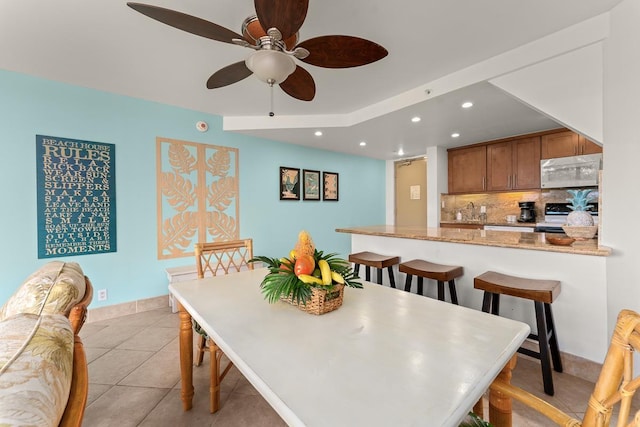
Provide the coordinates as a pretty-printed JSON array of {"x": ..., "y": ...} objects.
[
  {"x": 179, "y": 192},
  {"x": 221, "y": 226},
  {"x": 177, "y": 233},
  {"x": 181, "y": 160},
  {"x": 221, "y": 193},
  {"x": 197, "y": 195},
  {"x": 219, "y": 163}
]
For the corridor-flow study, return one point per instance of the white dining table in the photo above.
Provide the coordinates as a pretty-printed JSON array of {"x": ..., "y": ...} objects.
[{"x": 384, "y": 358}]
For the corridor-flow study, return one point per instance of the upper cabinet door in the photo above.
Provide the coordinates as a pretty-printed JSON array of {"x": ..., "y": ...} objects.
[
  {"x": 499, "y": 166},
  {"x": 568, "y": 143},
  {"x": 468, "y": 169},
  {"x": 561, "y": 144},
  {"x": 589, "y": 147},
  {"x": 526, "y": 163},
  {"x": 513, "y": 165}
]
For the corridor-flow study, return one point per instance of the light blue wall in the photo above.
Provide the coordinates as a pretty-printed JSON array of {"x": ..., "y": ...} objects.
[{"x": 30, "y": 106}]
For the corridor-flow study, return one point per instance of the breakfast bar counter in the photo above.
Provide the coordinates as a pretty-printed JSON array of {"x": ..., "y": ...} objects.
[
  {"x": 505, "y": 239},
  {"x": 580, "y": 311}
]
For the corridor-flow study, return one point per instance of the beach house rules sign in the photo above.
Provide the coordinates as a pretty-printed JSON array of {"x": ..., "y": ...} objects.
[{"x": 76, "y": 197}]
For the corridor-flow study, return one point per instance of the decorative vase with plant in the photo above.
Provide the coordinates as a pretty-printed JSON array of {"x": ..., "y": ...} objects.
[
  {"x": 580, "y": 222},
  {"x": 579, "y": 206},
  {"x": 309, "y": 279}
]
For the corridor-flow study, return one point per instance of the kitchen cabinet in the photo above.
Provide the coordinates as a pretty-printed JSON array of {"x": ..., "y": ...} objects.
[
  {"x": 513, "y": 165},
  {"x": 565, "y": 144},
  {"x": 468, "y": 169},
  {"x": 588, "y": 147}
]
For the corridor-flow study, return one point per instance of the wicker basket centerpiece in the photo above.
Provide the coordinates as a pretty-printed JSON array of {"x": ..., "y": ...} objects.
[{"x": 308, "y": 279}]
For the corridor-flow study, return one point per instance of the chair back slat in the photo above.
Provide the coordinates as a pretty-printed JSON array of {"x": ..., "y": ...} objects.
[{"x": 223, "y": 257}]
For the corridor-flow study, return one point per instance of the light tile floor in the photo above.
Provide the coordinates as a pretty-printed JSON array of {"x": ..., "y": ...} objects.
[{"x": 134, "y": 380}]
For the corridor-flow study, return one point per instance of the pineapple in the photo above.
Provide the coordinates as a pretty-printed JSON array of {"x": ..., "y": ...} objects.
[
  {"x": 579, "y": 205},
  {"x": 579, "y": 200},
  {"x": 305, "y": 244}
]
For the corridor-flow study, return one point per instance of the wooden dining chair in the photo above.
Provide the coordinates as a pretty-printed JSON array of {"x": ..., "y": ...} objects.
[
  {"x": 616, "y": 384},
  {"x": 213, "y": 259},
  {"x": 223, "y": 257}
]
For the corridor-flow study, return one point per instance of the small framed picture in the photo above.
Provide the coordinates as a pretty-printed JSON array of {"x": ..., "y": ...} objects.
[
  {"x": 330, "y": 186},
  {"x": 311, "y": 187},
  {"x": 289, "y": 183}
]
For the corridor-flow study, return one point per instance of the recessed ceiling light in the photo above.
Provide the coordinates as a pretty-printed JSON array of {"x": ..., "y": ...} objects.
[
  {"x": 362, "y": 143},
  {"x": 318, "y": 133},
  {"x": 467, "y": 104},
  {"x": 455, "y": 135},
  {"x": 415, "y": 119},
  {"x": 401, "y": 152}
]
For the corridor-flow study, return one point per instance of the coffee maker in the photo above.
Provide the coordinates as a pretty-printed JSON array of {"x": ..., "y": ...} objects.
[{"x": 527, "y": 212}]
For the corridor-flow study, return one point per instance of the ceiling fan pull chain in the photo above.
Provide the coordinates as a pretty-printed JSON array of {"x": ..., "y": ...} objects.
[{"x": 271, "y": 113}]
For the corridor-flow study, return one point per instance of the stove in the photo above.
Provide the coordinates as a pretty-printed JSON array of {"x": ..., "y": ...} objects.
[{"x": 555, "y": 216}]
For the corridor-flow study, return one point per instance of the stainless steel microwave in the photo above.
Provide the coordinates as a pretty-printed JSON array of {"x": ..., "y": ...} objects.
[{"x": 566, "y": 172}]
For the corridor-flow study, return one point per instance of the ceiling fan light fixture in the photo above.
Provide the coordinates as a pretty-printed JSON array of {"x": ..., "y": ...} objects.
[
  {"x": 276, "y": 48},
  {"x": 271, "y": 66}
]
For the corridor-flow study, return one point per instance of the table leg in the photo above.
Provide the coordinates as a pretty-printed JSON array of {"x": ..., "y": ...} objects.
[
  {"x": 499, "y": 403},
  {"x": 186, "y": 358},
  {"x": 214, "y": 387}
]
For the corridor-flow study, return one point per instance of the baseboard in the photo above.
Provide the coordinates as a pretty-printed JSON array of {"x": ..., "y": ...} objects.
[
  {"x": 580, "y": 367},
  {"x": 124, "y": 309}
]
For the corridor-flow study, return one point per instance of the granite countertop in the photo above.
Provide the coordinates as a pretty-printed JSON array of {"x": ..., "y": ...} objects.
[{"x": 505, "y": 239}]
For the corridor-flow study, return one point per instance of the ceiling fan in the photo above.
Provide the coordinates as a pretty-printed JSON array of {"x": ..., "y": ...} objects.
[{"x": 275, "y": 47}]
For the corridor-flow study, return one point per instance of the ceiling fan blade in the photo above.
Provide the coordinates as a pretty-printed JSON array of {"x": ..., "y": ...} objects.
[
  {"x": 285, "y": 15},
  {"x": 341, "y": 51},
  {"x": 300, "y": 85},
  {"x": 188, "y": 23},
  {"x": 228, "y": 75}
]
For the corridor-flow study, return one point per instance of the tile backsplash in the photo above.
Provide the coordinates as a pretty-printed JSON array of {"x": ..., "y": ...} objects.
[{"x": 498, "y": 205}]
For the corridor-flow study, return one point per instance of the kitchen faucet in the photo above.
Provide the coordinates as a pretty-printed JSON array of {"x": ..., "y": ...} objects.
[{"x": 473, "y": 210}]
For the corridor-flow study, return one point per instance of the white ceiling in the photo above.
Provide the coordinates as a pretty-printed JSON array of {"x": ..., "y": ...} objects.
[{"x": 105, "y": 45}]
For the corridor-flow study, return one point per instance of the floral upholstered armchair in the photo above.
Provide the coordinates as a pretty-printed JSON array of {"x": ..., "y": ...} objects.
[{"x": 43, "y": 368}]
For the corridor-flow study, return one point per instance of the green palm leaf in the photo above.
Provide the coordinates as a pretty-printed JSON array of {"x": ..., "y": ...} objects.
[{"x": 472, "y": 420}]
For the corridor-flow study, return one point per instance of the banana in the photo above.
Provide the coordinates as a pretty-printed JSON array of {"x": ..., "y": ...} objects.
[
  {"x": 305, "y": 278},
  {"x": 337, "y": 277},
  {"x": 325, "y": 270}
]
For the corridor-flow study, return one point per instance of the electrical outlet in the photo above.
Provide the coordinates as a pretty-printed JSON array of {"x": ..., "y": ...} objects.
[{"x": 102, "y": 295}]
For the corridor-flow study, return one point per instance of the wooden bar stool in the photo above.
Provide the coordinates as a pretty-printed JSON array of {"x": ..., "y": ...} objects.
[
  {"x": 429, "y": 270},
  {"x": 370, "y": 259},
  {"x": 542, "y": 293}
]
